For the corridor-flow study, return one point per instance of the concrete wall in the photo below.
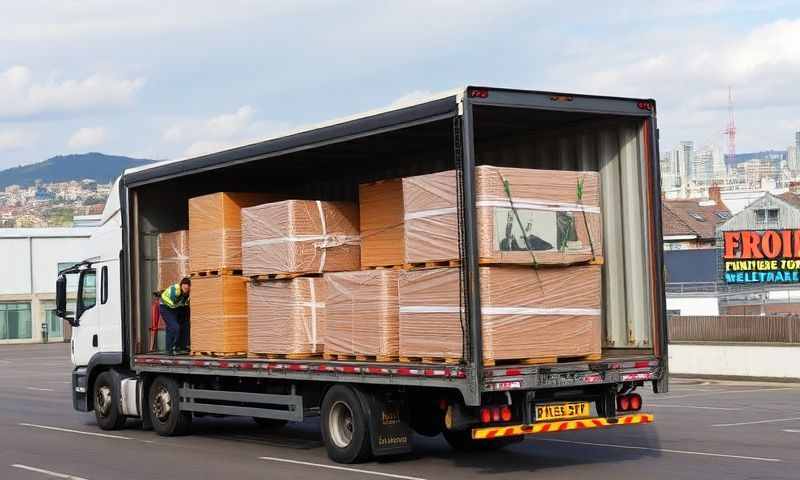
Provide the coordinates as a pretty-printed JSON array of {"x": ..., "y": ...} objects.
[
  {"x": 736, "y": 360},
  {"x": 694, "y": 305}
]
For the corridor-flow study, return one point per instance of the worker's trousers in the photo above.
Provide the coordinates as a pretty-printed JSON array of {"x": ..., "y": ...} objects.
[{"x": 177, "y": 322}]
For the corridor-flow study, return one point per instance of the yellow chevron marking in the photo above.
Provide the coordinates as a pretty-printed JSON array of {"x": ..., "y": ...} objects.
[{"x": 560, "y": 426}]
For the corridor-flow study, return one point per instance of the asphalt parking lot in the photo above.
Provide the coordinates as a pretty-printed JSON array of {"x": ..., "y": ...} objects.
[{"x": 725, "y": 430}]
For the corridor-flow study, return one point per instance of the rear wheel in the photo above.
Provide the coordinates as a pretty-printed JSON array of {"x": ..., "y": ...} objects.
[
  {"x": 462, "y": 441},
  {"x": 165, "y": 410},
  {"x": 107, "y": 410},
  {"x": 345, "y": 428}
]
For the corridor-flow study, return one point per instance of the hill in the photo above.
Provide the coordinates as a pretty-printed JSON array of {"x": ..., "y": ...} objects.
[{"x": 97, "y": 166}]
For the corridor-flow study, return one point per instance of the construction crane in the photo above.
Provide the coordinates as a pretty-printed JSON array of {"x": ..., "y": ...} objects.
[{"x": 730, "y": 130}]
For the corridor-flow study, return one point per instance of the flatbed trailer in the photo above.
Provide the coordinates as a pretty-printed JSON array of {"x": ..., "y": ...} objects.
[{"x": 370, "y": 408}]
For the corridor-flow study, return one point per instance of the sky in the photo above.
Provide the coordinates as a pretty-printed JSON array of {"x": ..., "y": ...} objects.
[{"x": 171, "y": 79}]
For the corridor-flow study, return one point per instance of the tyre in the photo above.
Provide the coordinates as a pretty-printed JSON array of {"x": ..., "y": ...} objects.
[
  {"x": 270, "y": 423},
  {"x": 165, "y": 410},
  {"x": 461, "y": 440},
  {"x": 345, "y": 427},
  {"x": 107, "y": 409}
]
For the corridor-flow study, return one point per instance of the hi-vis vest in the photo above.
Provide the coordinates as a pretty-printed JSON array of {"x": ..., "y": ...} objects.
[{"x": 172, "y": 297}]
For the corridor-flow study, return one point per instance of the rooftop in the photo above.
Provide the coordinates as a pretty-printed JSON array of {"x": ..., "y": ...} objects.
[{"x": 693, "y": 217}]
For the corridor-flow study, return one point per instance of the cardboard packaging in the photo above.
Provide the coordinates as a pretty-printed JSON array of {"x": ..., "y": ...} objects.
[
  {"x": 219, "y": 315},
  {"x": 526, "y": 313},
  {"x": 362, "y": 314},
  {"x": 286, "y": 317},
  {"x": 381, "y": 211},
  {"x": 560, "y": 225},
  {"x": 215, "y": 229},
  {"x": 300, "y": 236},
  {"x": 173, "y": 257}
]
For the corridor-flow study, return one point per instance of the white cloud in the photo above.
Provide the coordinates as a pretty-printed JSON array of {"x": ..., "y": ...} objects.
[
  {"x": 87, "y": 137},
  {"x": 16, "y": 139},
  {"x": 21, "y": 95}
]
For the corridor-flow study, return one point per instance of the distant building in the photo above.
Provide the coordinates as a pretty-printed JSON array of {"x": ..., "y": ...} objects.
[
  {"x": 32, "y": 257},
  {"x": 691, "y": 224}
]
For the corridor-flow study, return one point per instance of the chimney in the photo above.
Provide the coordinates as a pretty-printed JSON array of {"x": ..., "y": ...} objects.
[{"x": 715, "y": 194}]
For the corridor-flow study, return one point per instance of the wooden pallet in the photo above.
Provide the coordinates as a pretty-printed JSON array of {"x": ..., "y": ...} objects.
[
  {"x": 285, "y": 356},
  {"x": 491, "y": 362},
  {"x": 219, "y": 354},
  {"x": 431, "y": 360},
  {"x": 281, "y": 276},
  {"x": 340, "y": 357},
  {"x": 216, "y": 273},
  {"x": 383, "y": 267},
  {"x": 486, "y": 262}
]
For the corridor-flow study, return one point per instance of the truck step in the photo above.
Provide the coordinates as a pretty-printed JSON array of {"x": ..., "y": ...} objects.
[
  {"x": 285, "y": 356},
  {"x": 341, "y": 357},
  {"x": 219, "y": 354},
  {"x": 431, "y": 360},
  {"x": 491, "y": 362}
]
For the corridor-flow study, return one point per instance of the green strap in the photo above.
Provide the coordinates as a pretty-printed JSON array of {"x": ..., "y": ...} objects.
[
  {"x": 507, "y": 188},
  {"x": 579, "y": 194}
]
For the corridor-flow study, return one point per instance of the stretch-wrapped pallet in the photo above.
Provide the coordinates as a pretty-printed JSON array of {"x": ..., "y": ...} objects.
[
  {"x": 362, "y": 313},
  {"x": 525, "y": 313},
  {"x": 286, "y": 317},
  {"x": 173, "y": 257},
  {"x": 219, "y": 315},
  {"x": 300, "y": 236},
  {"x": 381, "y": 209},
  {"x": 524, "y": 216}
]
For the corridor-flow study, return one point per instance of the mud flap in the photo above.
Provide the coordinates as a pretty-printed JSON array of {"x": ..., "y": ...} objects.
[{"x": 388, "y": 422}]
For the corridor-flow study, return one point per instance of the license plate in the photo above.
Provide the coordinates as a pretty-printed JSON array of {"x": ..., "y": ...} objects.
[{"x": 562, "y": 411}]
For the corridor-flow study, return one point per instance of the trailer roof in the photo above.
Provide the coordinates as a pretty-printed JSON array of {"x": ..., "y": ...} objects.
[{"x": 436, "y": 107}]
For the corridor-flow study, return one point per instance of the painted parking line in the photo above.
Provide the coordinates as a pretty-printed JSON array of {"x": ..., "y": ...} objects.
[
  {"x": 699, "y": 407},
  {"x": 726, "y": 392},
  {"x": 662, "y": 450},
  {"x": 775, "y": 420},
  {"x": 40, "y": 389},
  {"x": 68, "y": 430},
  {"x": 337, "y": 467},
  {"x": 46, "y": 472},
  {"x": 789, "y": 430}
]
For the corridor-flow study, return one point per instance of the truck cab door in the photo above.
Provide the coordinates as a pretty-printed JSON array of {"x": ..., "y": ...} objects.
[{"x": 86, "y": 329}]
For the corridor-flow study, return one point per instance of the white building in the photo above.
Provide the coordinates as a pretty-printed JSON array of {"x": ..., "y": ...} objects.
[{"x": 31, "y": 259}]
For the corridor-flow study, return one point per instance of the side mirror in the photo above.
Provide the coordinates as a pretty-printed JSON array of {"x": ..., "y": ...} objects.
[{"x": 61, "y": 301}]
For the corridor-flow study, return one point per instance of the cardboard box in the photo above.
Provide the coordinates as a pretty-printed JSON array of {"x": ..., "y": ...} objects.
[
  {"x": 559, "y": 227},
  {"x": 173, "y": 257},
  {"x": 300, "y": 236},
  {"x": 381, "y": 212},
  {"x": 286, "y": 317},
  {"x": 219, "y": 315},
  {"x": 539, "y": 314},
  {"x": 362, "y": 314},
  {"x": 215, "y": 229}
]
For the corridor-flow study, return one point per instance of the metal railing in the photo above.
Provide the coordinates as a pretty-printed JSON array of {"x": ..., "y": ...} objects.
[{"x": 735, "y": 328}]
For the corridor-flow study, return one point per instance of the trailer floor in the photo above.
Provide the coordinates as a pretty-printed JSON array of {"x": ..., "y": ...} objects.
[{"x": 730, "y": 430}]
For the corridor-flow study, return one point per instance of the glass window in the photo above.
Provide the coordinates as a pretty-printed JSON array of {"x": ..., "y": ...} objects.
[
  {"x": 15, "y": 321},
  {"x": 89, "y": 294},
  {"x": 772, "y": 214},
  {"x": 761, "y": 215},
  {"x": 55, "y": 325}
]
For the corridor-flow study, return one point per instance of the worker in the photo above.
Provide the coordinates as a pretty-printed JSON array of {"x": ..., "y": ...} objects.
[{"x": 174, "y": 309}]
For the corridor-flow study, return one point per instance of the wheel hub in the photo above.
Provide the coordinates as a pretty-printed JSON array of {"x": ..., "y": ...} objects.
[
  {"x": 162, "y": 404},
  {"x": 102, "y": 400},
  {"x": 340, "y": 424}
]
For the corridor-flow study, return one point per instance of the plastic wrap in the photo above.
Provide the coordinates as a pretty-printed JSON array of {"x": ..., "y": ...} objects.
[
  {"x": 173, "y": 257},
  {"x": 381, "y": 213},
  {"x": 526, "y": 313},
  {"x": 219, "y": 315},
  {"x": 362, "y": 313},
  {"x": 286, "y": 317},
  {"x": 300, "y": 236},
  {"x": 215, "y": 229},
  {"x": 559, "y": 227}
]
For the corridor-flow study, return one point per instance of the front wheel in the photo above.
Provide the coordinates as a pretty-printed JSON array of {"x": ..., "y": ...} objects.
[
  {"x": 462, "y": 441},
  {"x": 165, "y": 408},
  {"x": 107, "y": 409},
  {"x": 345, "y": 427}
]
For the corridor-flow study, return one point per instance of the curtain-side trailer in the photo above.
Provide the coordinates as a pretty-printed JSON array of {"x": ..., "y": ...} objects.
[{"x": 371, "y": 408}]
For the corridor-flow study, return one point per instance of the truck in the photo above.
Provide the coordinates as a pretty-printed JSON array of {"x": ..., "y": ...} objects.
[{"x": 369, "y": 408}]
